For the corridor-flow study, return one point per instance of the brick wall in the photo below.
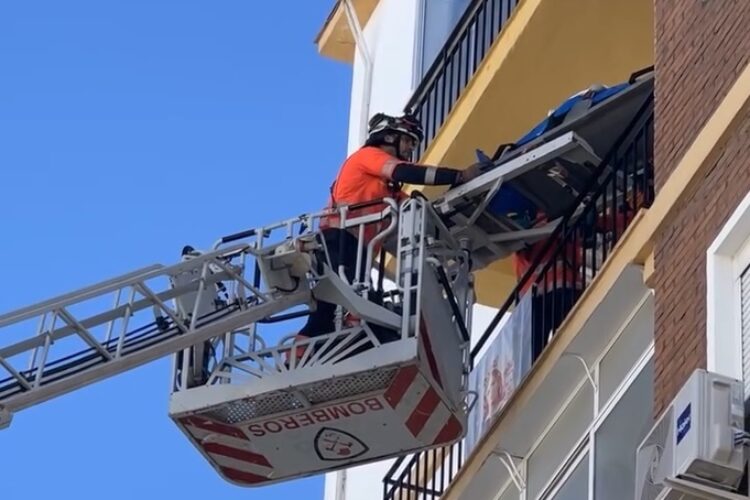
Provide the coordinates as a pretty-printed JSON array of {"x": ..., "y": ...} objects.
[{"x": 701, "y": 46}]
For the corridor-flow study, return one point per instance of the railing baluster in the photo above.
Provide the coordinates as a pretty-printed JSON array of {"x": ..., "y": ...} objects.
[
  {"x": 456, "y": 76},
  {"x": 612, "y": 184},
  {"x": 431, "y": 110},
  {"x": 494, "y": 11},
  {"x": 579, "y": 246},
  {"x": 490, "y": 22},
  {"x": 626, "y": 207},
  {"x": 449, "y": 72},
  {"x": 450, "y": 463},
  {"x": 447, "y": 105},
  {"x": 638, "y": 160},
  {"x": 441, "y": 108},
  {"x": 462, "y": 64},
  {"x": 421, "y": 484},
  {"x": 478, "y": 38},
  {"x": 442, "y": 470}
]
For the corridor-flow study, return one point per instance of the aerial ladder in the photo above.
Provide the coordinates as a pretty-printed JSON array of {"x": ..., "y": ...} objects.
[
  {"x": 391, "y": 379},
  {"x": 263, "y": 411}
]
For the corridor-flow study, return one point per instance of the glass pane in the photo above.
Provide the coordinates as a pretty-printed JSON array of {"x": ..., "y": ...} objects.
[
  {"x": 440, "y": 17},
  {"x": 576, "y": 487},
  {"x": 551, "y": 453},
  {"x": 510, "y": 493},
  {"x": 626, "y": 351},
  {"x": 618, "y": 437}
]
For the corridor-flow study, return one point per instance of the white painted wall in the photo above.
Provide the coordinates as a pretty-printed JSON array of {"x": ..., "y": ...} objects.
[{"x": 390, "y": 36}]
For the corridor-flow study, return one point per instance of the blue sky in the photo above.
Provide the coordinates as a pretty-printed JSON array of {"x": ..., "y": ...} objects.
[{"x": 129, "y": 128}]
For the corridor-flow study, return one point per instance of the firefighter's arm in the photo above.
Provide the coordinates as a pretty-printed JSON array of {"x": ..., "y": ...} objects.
[
  {"x": 392, "y": 169},
  {"x": 425, "y": 175}
]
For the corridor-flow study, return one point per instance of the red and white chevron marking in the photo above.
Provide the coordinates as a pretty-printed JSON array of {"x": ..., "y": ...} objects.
[
  {"x": 228, "y": 448},
  {"x": 426, "y": 417}
]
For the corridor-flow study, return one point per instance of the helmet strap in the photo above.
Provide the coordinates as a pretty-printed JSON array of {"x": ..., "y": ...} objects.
[{"x": 397, "y": 147}]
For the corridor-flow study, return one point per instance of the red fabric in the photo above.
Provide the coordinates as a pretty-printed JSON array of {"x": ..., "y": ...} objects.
[{"x": 561, "y": 273}]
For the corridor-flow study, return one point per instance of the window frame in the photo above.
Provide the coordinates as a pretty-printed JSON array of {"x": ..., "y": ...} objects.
[{"x": 726, "y": 258}]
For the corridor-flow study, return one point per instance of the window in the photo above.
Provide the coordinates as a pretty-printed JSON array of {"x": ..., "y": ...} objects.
[
  {"x": 610, "y": 448},
  {"x": 588, "y": 452},
  {"x": 618, "y": 437},
  {"x": 438, "y": 18},
  {"x": 576, "y": 486},
  {"x": 634, "y": 339},
  {"x": 727, "y": 301}
]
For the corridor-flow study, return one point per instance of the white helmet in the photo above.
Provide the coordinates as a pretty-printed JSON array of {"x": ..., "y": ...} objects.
[{"x": 382, "y": 124}]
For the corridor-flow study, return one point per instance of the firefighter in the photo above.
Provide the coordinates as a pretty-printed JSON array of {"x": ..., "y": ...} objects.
[{"x": 375, "y": 171}]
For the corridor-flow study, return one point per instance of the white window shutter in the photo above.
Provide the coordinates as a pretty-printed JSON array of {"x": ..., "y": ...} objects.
[{"x": 745, "y": 317}]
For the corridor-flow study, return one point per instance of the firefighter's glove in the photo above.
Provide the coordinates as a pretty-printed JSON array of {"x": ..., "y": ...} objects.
[{"x": 471, "y": 172}]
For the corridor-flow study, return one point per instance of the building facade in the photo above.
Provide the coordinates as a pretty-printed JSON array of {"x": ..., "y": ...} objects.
[{"x": 662, "y": 285}]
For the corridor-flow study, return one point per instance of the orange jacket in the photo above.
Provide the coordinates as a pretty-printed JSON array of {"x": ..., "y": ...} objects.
[{"x": 365, "y": 176}]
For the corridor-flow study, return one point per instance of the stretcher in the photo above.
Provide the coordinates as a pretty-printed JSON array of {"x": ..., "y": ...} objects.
[{"x": 528, "y": 186}]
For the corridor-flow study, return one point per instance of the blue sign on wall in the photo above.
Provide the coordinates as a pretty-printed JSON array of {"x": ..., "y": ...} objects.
[{"x": 683, "y": 424}]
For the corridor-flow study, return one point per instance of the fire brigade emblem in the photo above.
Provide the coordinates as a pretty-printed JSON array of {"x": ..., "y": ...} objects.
[{"x": 333, "y": 444}]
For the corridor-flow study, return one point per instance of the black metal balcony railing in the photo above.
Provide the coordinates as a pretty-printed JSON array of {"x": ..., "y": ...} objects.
[
  {"x": 456, "y": 63},
  {"x": 562, "y": 269}
]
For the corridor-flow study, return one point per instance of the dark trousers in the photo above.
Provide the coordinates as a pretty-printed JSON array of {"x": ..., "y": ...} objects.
[
  {"x": 548, "y": 312},
  {"x": 342, "y": 250}
]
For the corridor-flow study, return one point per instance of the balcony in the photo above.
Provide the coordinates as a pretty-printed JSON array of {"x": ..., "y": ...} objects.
[
  {"x": 506, "y": 63},
  {"x": 561, "y": 272}
]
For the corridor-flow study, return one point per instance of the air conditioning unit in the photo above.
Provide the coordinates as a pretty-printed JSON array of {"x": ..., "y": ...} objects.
[{"x": 696, "y": 448}]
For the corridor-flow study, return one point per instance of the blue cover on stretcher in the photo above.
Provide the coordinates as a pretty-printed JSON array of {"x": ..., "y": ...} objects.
[{"x": 510, "y": 202}]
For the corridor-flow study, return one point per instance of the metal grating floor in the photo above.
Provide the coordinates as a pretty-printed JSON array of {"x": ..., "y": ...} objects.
[{"x": 242, "y": 410}]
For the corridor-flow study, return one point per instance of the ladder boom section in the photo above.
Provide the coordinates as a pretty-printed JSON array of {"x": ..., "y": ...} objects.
[{"x": 79, "y": 338}]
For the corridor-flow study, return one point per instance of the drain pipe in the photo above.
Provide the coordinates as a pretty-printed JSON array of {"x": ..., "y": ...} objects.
[{"x": 364, "y": 53}]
